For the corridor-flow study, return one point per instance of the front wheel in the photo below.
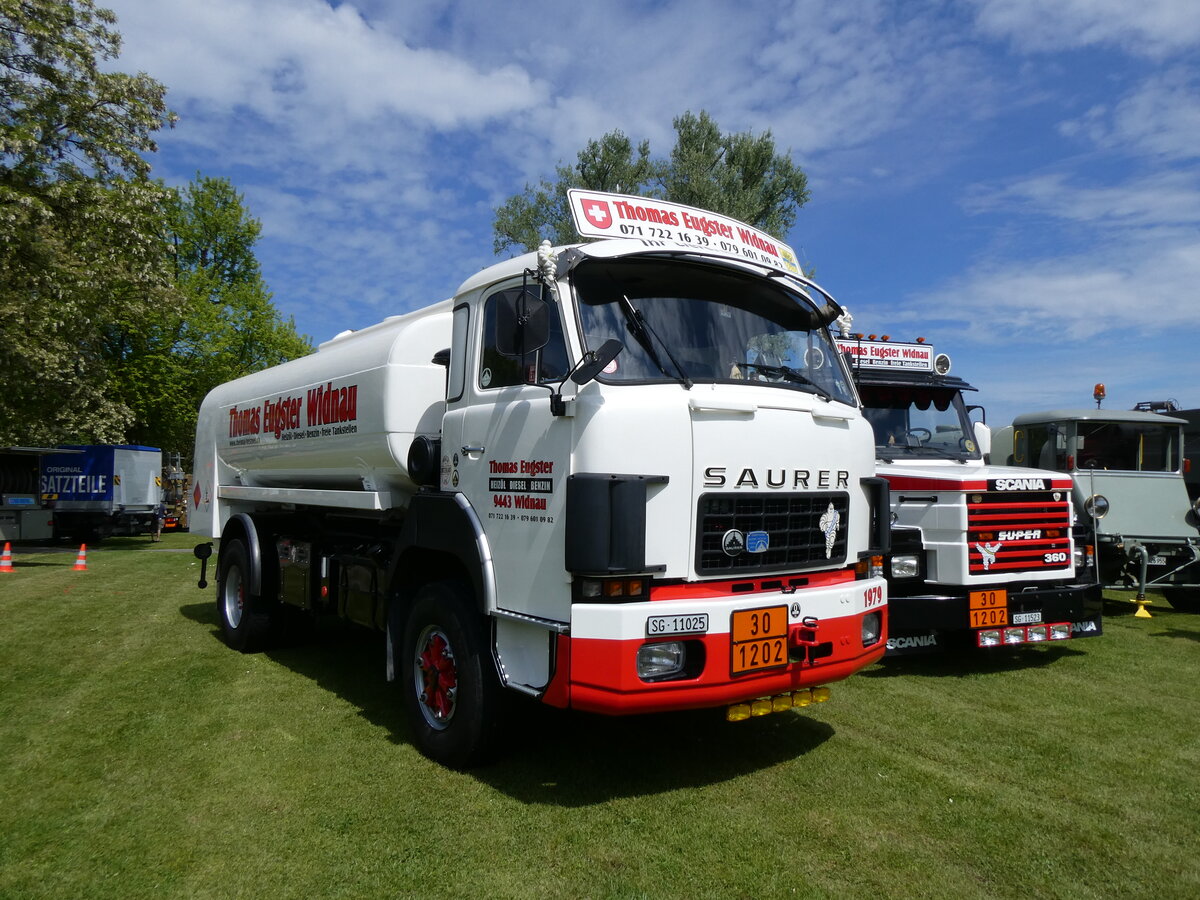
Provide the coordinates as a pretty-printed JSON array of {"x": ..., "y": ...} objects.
[{"x": 452, "y": 695}]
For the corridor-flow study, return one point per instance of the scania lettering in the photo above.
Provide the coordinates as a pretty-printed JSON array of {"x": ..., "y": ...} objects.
[
  {"x": 576, "y": 480},
  {"x": 980, "y": 554},
  {"x": 1126, "y": 469}
]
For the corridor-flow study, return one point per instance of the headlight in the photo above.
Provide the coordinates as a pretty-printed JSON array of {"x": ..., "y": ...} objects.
[
  {"x": 1096, "y": 506},
  {"x": 655, "y": 661},
  {"x": 872, "y": 626},
  {"x": 905, "y": 566}
]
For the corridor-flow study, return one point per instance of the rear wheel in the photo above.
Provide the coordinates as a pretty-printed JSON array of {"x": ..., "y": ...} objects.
[
  {"x": 1184, "y": 599},
  {"x": 246, "y": 619},
  {"x": 451, "y": 693}
]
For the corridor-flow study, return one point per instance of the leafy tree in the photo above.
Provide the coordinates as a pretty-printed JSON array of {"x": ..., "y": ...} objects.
[
  {"x": 60, "y": 115},
  {"x": 541, "y": 213},
  {"x": 226, "y": 327},
  {"x": 79, "y": 221},
  {"x": 738, "y": 175},
  {"x": 122, "y": 302}
]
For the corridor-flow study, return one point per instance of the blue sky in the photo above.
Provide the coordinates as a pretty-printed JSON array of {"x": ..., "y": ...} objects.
[{"x": 1015, "y": 180}]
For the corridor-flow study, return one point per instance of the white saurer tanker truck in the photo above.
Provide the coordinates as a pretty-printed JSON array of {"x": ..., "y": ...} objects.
[
  {"x": 580, "y": 479},
  {"x": 981, "y": 555}
]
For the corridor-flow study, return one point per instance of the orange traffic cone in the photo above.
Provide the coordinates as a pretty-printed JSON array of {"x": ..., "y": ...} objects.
[
  {"x": 6, "y": 567},
  {"x": 81, "y": 559}
]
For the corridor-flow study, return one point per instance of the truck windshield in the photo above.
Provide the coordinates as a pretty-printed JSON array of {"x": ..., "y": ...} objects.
[
  {"x": 1127, "y": 446},
  {"x": 918, "y": 422},
  {"x": 1088, "y": 444},
  {"x": 688, "y": 322}
]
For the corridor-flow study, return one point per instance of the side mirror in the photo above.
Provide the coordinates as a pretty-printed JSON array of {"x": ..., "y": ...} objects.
[
  {"x": 596, "y": 361},
  {"x": 983, "y": 438},
  {"x": 522, "y": 324}
]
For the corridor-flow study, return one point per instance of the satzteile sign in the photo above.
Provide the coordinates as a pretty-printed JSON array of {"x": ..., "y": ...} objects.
[
  {"x": 888, "y": 354},
  {"x": 603, "y": 215}
]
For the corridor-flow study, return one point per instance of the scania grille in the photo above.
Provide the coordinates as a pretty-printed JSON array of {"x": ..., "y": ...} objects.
[
  {"x": 1025, "y": 531},
  {"x": 778, "y": 532}
]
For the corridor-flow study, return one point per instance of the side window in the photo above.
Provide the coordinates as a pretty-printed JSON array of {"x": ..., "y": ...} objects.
[
  {"x": 1041, "y": 447},
  {"x": 496, "y": 370},
  {"x": 458, "y": 353}
]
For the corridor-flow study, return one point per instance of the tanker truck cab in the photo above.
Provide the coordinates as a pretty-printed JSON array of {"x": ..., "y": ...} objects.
[
  {"x": 594, "y": 498},
  {"x": 981, "y": 555}
]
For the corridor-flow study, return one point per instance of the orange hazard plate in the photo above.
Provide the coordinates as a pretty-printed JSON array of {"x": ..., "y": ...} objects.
[
  {"x": 989, "y": 608},
  {"x": 758, "y": 639}
]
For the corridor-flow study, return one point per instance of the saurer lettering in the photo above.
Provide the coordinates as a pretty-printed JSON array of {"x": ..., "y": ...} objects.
[{"x": 793, "y": 479}]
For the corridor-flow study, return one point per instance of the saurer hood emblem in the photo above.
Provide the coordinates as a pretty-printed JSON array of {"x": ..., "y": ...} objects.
[
  {"x": 829, "y": 521},
  {"x": 988, "y": 552},
  {"x": 733, "y": 542}
]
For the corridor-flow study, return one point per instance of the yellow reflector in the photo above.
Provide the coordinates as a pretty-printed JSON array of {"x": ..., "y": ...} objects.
[
  {"x": 820, "y": 694},
  {"x": 802, "y": 698},
  {"x": 760, "y": 708},
  {"x": 738, "y": 713},
  {"x": 781, "y": 703}
]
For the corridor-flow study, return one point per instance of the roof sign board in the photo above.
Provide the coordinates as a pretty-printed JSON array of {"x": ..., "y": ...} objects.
[
  {"x": 888, "y": 354},
  {"x": 603, "y": 215}
]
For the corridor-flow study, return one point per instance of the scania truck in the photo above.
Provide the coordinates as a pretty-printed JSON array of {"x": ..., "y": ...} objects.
[
  {"x": 981, "y": 555},
  {"x": 624, "y": 476}
]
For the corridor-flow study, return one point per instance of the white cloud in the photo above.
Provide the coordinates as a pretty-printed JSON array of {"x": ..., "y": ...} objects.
[
  {"x": 1168, "y": 198},
  {"x": 1140, "y": 289},
  {"x": 1161, "y": 117},
  {"x": 296, "y": 62},
  {"x": 1153, "y": 28}
]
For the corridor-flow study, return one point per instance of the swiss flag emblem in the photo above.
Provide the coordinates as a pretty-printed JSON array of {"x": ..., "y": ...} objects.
[{"x": 597, "y": 213}]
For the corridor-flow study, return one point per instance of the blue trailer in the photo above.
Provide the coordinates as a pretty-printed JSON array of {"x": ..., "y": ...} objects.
[{"x": 101, "y": 490}]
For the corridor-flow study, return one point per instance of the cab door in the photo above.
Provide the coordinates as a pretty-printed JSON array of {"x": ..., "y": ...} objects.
[{"x": 510, "y": 457}]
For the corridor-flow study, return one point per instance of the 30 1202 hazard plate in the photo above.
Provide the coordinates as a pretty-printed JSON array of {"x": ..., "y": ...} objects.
[{"x": 758, "y": 639}]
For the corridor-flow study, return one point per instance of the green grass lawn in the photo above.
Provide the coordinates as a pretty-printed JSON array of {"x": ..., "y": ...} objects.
[{"x": 142, "y": 758}]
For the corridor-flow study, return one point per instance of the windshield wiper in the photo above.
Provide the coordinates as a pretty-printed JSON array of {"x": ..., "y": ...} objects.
[
  {"x": 921, "y": 448},
  {"x": 645, "y": 336},
  {"x": 793, "y": 375}
]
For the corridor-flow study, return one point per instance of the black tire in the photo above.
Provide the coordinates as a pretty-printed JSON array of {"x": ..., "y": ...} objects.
[
  {"x": 247, "y": 620},
  {"x": 452, "y": 695},
  {"x": 1184, "y": 599}
]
